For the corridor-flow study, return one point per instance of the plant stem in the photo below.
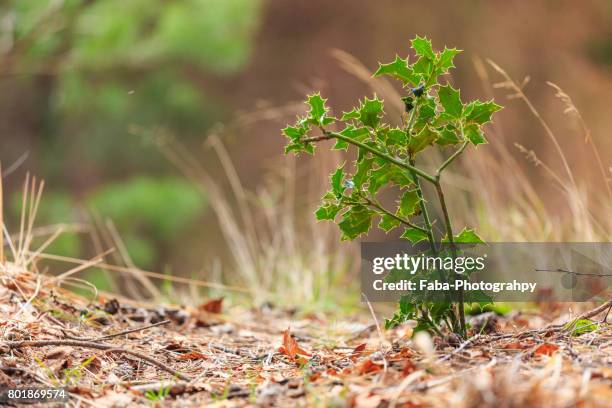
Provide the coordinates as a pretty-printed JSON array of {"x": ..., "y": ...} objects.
[
  {"x": 390, "y": 214},
  {"x": 424, "y": 212},
  {"x": 451, "y": 240},
  {"x": 333, "y": 135},
  {"x": 450, "y": 159}
]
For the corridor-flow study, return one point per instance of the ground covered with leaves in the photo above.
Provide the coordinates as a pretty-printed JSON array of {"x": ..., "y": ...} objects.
[{"x": 112, "y": 352}]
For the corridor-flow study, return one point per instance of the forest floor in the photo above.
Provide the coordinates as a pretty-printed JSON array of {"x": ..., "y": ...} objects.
[{"x": 119, "y": 353}]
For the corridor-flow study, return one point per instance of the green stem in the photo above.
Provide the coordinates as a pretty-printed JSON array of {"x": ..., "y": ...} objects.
[
  {"x": 333, "y": 135},
  {"x": 390, "y": 214},
  {"x": 451, "y": 159},
  {"x": 425, "y": 213},
  {"x": 433, "y": 325},
  {"x": 451, "y": 240}
]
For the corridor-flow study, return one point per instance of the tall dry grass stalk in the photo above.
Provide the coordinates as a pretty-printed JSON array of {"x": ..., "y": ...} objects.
[{"x": 277, "y": 249}]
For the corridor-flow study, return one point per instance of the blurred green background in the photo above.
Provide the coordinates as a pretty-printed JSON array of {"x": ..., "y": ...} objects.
[{"x": 78, "y": 76}]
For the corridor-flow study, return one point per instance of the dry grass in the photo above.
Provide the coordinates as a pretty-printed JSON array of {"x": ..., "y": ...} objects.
[{"x": 278, "y": 251}]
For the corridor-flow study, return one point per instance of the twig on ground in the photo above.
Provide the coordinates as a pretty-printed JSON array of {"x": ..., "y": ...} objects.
[
  {"x": 98, "y": 346},
  {"x": 110, "y": 336},
  {"x": 466, "y": 344}
]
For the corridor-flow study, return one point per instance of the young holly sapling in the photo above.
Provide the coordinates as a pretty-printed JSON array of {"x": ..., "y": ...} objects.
[{"x": 435, "y": 116}]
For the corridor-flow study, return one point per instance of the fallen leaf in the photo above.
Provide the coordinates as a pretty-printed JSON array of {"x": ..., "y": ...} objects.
[
  {"x": 290, "y": 347},
  {"x": 331, "y": 371},
  {"x": 546, "y": 349},
  {"x": 409, "y": 368},
  {"x": 193, "y": 355},
  {"x": 368, "y": 366},
  {"x": 359, "y": 349},
  {"x": 213, "y": 306},
  {"x": 515, "y": 346},
  {"x": 314, "y": 377}
]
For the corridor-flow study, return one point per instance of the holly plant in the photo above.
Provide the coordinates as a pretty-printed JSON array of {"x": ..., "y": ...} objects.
[{"x": 386, "y": 159}]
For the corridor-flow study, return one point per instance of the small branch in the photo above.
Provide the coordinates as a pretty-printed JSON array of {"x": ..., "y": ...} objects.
[
  {"x": 390, "y": 214},
  {"x": 459, "y": 349},
  {"x": 317, "y": 138},
  {"x": 97, "y": 346},
  {"x": 110, "y": 336},
  {"x": 451, "y": 159},
  {"x": 334, "y": 135},
  {"x": 573, "y": 273}
]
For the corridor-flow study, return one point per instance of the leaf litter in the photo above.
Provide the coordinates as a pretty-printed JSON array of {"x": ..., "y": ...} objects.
[{"x": 115, "y": 352}]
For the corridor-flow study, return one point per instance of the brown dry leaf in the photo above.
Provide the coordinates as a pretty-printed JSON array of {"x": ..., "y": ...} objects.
[
  {"x": 409, "y": 368},
  {"x": 359, "y": 349},
  {"x": 367, "y": 367},
  {"x": 193, "y": 355},
  {"x": 213, "y": 306},
  {"x": 515, "y": 346},
  {"x": 290, "y": 347},
  {"x": 546, "y": 349}
]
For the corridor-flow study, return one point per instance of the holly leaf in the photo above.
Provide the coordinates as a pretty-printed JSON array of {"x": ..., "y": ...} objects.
[
  {"x": 414, "y": 235},
  {"x": 354, "y": 114},
  {"x": 370, "y": 112},
  {"x": 408, "y": 204},
  {"x": 396, "y": 136},
  {"x": 448, "y": 136},
  {"x": 445, "y": 62},
  {"x": 327, "y": 212},
  {"x": 351, "y": 131},
  {"x": 336, "y": 181},
  {"x": 379, "y": 177},
  {"x": 481, "y": 112},
  {"x": 387, "y": 223},
  {"x": 450, "y": 100},
  {"x": 467, "y": 235},
  {"x": 474, "y": 134},
  {"x": 317, "y": 111},
  {"x": 422, "y": 47},
  {"x": 294, "y": 132},
  {"x": 423, "y": 139},
  {"x": 299, "y": 147},
  {"x": 356, "y": 221},
  {"x": 363, "y": 169},
  {"x": 398, "y": 69}
]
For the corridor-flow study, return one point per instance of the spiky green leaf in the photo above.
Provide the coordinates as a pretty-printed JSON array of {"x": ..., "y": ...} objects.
[
  {"x": 408, "y": 204},
  {"x": 414, "y": 235},
  {"x": 370, "y": 112},
  {"x": 398, "y": 69},
  {"x": 387, "y": 223},
  {"x": 422, "y": 47},
  {"x": 336, "y": 181},
  {"x": 468, "y": 236},
  {"x": 327, "y": 212},
  {"x": 445, "y": 62},
  {"x": 355, "y": 221},
  {"x": 481, "y": 112},
  {"x": 424, "y": 138},
  {"x": 474, "y": 134},
  {"x": 450, "y": 100}
]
